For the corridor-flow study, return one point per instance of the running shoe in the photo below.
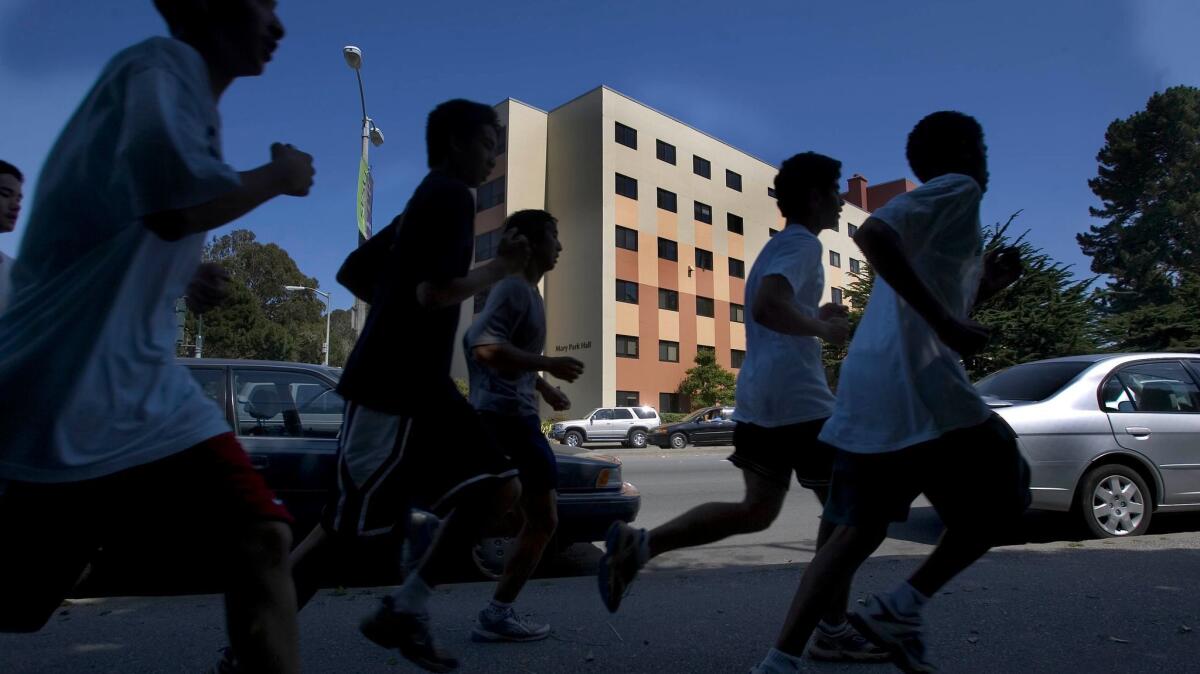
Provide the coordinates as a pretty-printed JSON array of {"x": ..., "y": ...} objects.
[
  {"x": 408, "y": 633},
  {"x": 508, "y": 626},
  {"x": 619, "y": 565},
  {"x": 899, "y": 634},
  {"x": 845, "y": 646}
]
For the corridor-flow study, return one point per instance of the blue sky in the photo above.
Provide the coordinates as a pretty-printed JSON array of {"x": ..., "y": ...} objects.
[{"x": 773, "y": 78}]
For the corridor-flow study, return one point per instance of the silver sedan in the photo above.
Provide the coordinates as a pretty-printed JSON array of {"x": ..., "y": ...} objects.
[{"x": 1112, "y": 437}]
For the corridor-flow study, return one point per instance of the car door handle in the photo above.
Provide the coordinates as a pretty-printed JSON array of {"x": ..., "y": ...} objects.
[
  {"x": 1138, "y": 431},
  {"x": 259, "y": 462}
]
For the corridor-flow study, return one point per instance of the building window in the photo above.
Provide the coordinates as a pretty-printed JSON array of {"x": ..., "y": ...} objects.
[
  {"x": 480, "y": 301},
  {"x": 627, "y": 347},
  {"x": 704, "y": 307},
  {"x": 852, "y": 230},
  {"x": 771, "y": 192},
  {"x": 733, "y": 180},
  {"x": 704, "y": 259},
  {"x": 668, "y": 299},
  {"x": 737, "y": 358},
  {"x": 703, "y": 212},
  {"x": 737, "y": 313},
  {"x": 772, "y": 232},
  {"x": 668, "y": 249},
  {"x": 734, "y": 223},
  {"x": 665, "y": 152},
  {"x": 667, "y": 200},
  {"x": 737, "y": 268},
  {"x": 487, "y": 243},
  {"x": 626, "y": 136},
  {"x": 855, "y": 266},
  {"x": 836, "y": 295},
  {"x": 627, "y": 291},
  {"x": 627, "y": 238},
  {"x": 668, "y": 352},
  {"x": 626, "y": 186},
  {"x": 701, "y": 166},
  {"x": 627, "y": 398},
  {"x": 669, "y": 402},
  {"x": 489, "y": 194},
  {"x": 502, "y": 141},
  {"x": 835, "y": 259}
]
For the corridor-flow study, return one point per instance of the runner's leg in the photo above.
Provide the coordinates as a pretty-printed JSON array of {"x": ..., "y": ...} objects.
[
  {"x": 715, "y": 521},
  {"x": 540, "y": 511}
]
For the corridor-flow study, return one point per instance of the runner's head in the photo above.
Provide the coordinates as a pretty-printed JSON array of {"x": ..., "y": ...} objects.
[
  {"x": 235, "y": 37},
  {"x": 540, "y": 229},
  {"x": 11, "y": 181},
  {"x": 461, "y": 137},
  {"x": 948, "y": 142},
  {"x": 807, "y": 192}
]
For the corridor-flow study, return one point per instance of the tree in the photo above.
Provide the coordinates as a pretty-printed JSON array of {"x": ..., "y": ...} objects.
[
  {"x": 342, "y": 337},
  {"x": 707, "y": 383},
  {"x": 1148, "y": 182}
]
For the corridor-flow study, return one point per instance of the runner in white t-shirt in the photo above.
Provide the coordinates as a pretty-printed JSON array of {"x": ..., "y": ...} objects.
[
  {"x": 107, "y": 440},
  {"x": 11, "y": 182},
  {"x": 907, "y": 419},
  {"x": 783, "y": 399}
]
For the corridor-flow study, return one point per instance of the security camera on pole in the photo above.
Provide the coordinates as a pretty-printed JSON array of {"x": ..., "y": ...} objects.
[{"x": 371, "y": 135}]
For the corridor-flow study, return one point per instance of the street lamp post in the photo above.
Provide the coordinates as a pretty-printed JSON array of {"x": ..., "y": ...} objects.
[
  {"x": 328, "y": 313},
  {"x": 371, "y": 135}
]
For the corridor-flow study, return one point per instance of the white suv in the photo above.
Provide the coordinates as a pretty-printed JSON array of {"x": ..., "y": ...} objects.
[{"x": 628, "y": 425}]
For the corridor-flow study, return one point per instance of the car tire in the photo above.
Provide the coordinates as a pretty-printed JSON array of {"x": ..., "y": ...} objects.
[
  {"x": 490, "y": 555},
  {"x": 637, "y": 438},
  {"x": 572, "y": 439},
  {"x": 1114, "y": 502},
  {"x": 678, "y": 440}
]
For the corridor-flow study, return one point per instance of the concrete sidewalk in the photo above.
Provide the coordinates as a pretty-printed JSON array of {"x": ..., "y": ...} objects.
[{"x": 1128, "y": 606}]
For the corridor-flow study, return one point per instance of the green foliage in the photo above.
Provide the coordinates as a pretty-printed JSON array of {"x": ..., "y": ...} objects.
[
  {"x": 707, "y": 383},
  {"x": 672, "y": 417},
  {"x": 463, "y": 387}
]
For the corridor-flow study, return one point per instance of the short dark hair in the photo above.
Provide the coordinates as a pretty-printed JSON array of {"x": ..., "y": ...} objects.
[
  {"x": 179, "y": 14},
  {"x": 455, "y": 119},
  {"x": 530, "y": 223},
  {"x": 943, "y": 142},
  {"x": 7, "y": 169},
  {"x": 801, "y": 173}
]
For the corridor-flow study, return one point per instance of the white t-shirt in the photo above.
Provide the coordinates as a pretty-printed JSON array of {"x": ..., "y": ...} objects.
[
  {"x": 782, "y": 380},
  {"x": 88, "y": 380},
  {"x": 900, "y": 385},
  {"x": 6, "y": 264}
]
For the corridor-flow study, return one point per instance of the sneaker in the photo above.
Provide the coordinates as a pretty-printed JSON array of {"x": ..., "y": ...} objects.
[
  {"x": 619, "y": 565},
  {"x": 848, "y": 645},
  {"x": 227, "y": 664},
  {"x": 408, "y": 633},
  {"x": 899, "y": 634},
  {"x": 506, "y": 627}
]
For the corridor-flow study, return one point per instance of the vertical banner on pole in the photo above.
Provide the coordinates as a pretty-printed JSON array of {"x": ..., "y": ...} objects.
[{"x": 365, "y": 188}]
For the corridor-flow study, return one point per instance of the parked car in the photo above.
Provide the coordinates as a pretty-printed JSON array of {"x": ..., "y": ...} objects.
[
  {"x": 1112, "y": 437},
  {"x": 709, "y": 426},
  {"x": 628, "y": 425}
]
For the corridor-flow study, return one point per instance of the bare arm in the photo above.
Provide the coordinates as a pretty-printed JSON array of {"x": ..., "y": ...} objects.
[{"x": 775, "y": 310}]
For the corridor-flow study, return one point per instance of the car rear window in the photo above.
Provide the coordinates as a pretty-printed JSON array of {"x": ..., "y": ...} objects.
[
  {"x": 1030, "y": 382},
  {"x": 645, "y": 413}
]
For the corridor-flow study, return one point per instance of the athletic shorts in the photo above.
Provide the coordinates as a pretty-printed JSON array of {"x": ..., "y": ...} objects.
[
  {"x": 522, "y": 441},
  {"x": 206, "y": 494},
  {"x": 388, "y": 464},
  {"x": 973, "y": 476},
  {"x": 775, "y": 453}
]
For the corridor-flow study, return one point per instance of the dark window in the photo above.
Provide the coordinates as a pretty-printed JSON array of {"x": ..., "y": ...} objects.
[
  {"x": 704, "y": 259},
  {"x": 668, "y": 299},
  {"x": 669, "y": 402},
  {"x": 734, "y": 223},
  {"x": 836, "y": 295},
  {"x": 733, "y": 180},
  {"x": 667, "y": 200},
  {"x": 1154, "y": 388},
  {"x": 644, "y": 412},
  {"x": 627, "y": 291},
  {"x": 622, "y": 414},
  {"x": 212, "y": 382},
  {"x": 665, "y": 152},
  {"x": 626, "y": 186},
  {"x": 627, "y": 347},
  {"x": 772, "y": 232},
  {"x": 502, "y": 141},
  {"x": 602, "y": 415},
  {"x": 736, "y": 358},
  {"x": 737, "y": 268},
  {"x": 852, "y": 230},
  {"x": 771, "y": 192},
  {"x": 855, "y": 266},
  {"x": 286, "y": 403},
  {"x": 627, "y": 399},
  {"x": 489, "y": 194},
  {"x": 835, "y": 259},
  {"x": 480, "y": 301},
  {"x": 737, "y": 313},
  {"x": 704, "y": 307},
  {"x": 1031, "y": 381},
  {"x": 626, "y": 136},
  {"x": 701, "y": 166},
  {"x": 668, "y": 249},
  {"x": 703, "y": 212},
  {"x": 627, "y": 238},
  {"x": 487, "y": 243},
  {"x": 668, "y": 352}
]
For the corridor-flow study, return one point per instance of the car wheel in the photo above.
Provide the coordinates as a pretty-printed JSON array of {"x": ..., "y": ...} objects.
[
  {"x": 573, "y": 439},
  {"x": 1114, "y": 502},
  {"x": 678, "y": 440},
  {"x": 637, "y": 439},
  {"x": 490, "y": 555}
]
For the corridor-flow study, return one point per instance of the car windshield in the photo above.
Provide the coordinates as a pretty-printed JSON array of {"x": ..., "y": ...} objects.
[
  {"x": 1030, "y": 382},
  {"x": 695, "y": 416}
]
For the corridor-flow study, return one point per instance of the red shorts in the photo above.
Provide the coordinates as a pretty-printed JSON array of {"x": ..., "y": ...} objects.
[{"x": 206, "y": 495}]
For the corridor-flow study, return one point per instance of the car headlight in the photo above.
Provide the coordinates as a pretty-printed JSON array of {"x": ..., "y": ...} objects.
[
  {"x": 608, "y": 476},
  {"x": 556, "y": 427}
]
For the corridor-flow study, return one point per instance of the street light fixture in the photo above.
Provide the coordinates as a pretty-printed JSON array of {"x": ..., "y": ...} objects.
[
  {"x": 371, "y": 135},
  {"x": 328, "y": 313}
]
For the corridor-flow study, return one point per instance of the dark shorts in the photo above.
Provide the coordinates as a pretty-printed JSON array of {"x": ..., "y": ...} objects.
[
  {"x": 776, "y": 453},
  {"x": 206, "y": 495},
  {"x": 973, "y": 476},
  {"x": 522, "y": 441},
  {"x": 388, "y": 464}
]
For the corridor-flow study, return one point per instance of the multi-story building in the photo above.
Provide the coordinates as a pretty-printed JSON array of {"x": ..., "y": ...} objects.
[{"x": 660, "y": 223}]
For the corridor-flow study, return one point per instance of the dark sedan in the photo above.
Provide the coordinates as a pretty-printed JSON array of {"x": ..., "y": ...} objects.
[{"x": 709, "y": 426}]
